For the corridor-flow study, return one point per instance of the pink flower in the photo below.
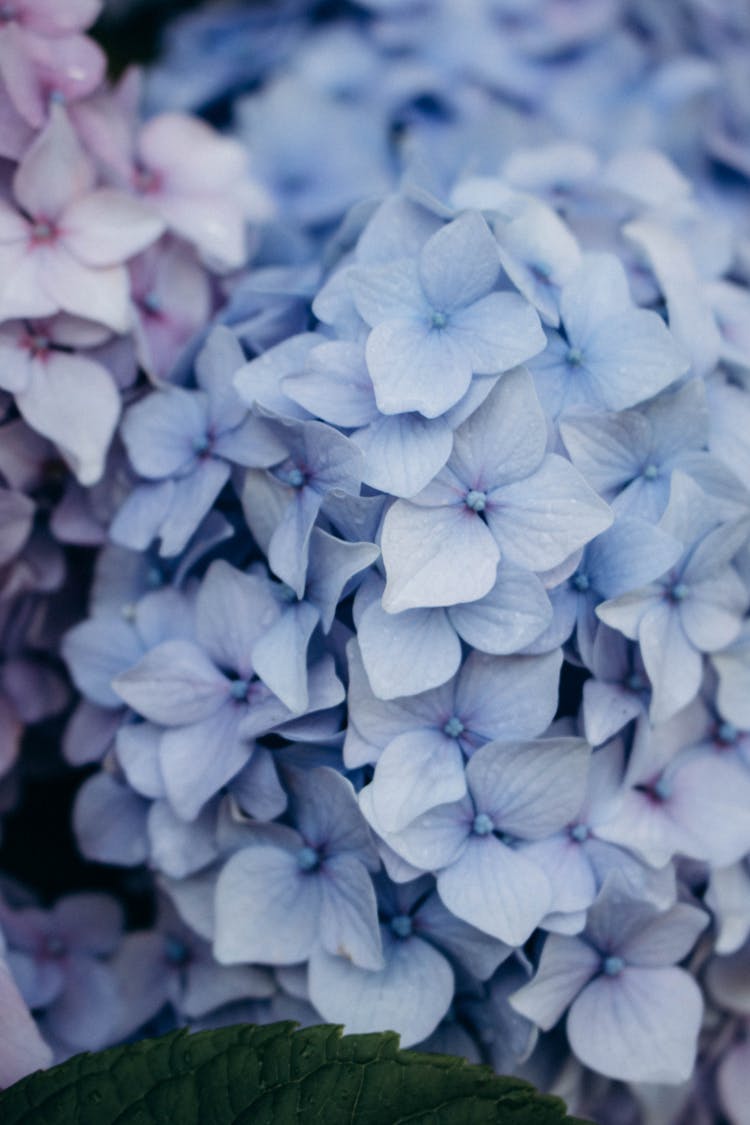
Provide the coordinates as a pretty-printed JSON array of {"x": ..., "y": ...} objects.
[
  {"x": 171, "y": 300},
  {"x": 65, "y": 246},
  {"x": 22, "y": 1049},
  {"x": 66, "y": 397},
  {"x": 43, "y": 56},
  {"x": 198, "y": 182}
]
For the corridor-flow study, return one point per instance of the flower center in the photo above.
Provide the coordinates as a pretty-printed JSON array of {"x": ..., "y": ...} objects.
[
  {"x": 580, "y": 582},
  {"x": 636, "y": 682},
  {"x": 439, "y": 320},
  {"x": 152, "y": 304},
  {"x": 574, "y": 358},
  {"x": 579, "y": 833},
  {"x": 475, "y": 500},
  {"x": 145, "y": 180},
  {"x": 201, "y": 445},
  {"x": 482, "y": 825},
  {"x": 37, "y": 344},
  {"x": 454, "y": 727},
  {"x": 296, "y": 478},
  {"x": 612, "y": 966},
  {"x": 727, "y": 733},
  {"x": 401, "y": 926},
  {"x": 651, "y": 472},
  {"x": 43, "y": 232},
  {"x": 678, "y": 592},
  {"x": 662, "y": 789},
  {"x": 176, "y": 951},
  {"x": 307, "y": 858},
  {"x": 238, "y": 689}
]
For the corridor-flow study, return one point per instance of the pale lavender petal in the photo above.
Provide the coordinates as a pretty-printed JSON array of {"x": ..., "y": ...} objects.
[
  {"x": 109, "y": 821},
  {"x": 106, "y": 227},
  {"x": 349, "y": 913},
  {"x": 512, "y": 615},
  {"x": 403, "y": 452},
  {"x": 409, "y": 652},
  {"x": 233, "y": 612},
  {"x": 508, "y": 697},
  {"x": 539, "y": 521},
  {"x": 282, "y": 927},
  {"x": 174, "y": 684},
  {"x": 436, "y": 556},
  {"x": 22, "y": 1049},
  {"x": 496, "y": 889},
  {"x": 530, "y": 789},
  {"x": 197, "y": 760},
  {"x": 639, "y": 1026},
  {"x": 416, "y": 771},
  {"x": 566, "y": 965},
  {"x": 459, "y": 263},
  {"x": 410, "y": 995},
  {"x": 74, "y": 402},
  {"x": 416, "y": 367}
]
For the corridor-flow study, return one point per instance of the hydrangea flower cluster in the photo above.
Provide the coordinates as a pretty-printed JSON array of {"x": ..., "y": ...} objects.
[{"x": 416, "y": 663}]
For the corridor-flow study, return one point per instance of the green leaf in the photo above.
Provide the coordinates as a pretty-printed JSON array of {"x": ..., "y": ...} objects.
[{"x": 274, "y": 1075}]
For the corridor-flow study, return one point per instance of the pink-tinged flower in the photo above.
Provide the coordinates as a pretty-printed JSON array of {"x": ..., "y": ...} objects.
[
  {"x": 198, "y": 182},
  {"x": 171, "y": 300},
  {"x": 43, "y": 56},
  {"x": 22, "y": 1049},
  {"x": 15, "y": 134},
  {"x": 64, "y": 246},
  {"x": 69, "y": 398}
]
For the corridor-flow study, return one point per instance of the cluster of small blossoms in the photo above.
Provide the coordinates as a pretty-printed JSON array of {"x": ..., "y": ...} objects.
[
  {"x": 115, "y": 234},
  {"x": 417, "y": 660}
]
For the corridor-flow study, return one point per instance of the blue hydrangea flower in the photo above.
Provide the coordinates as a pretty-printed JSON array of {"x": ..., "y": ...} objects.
[
  {"x": 207, "y": 693},
  {"x": 436, "y": 321},
  {"x": 633, "y": 1016},
  {"x": 500, "y": 495},
  {"x": 308, "y": 885},
  {"x": 419, "y": 743},
  {"x": 184, "y": 443},
  {"x": 516, "y": 792},
  {"x": 696, "y": 607},
  {"x": 414, "y": 989}
]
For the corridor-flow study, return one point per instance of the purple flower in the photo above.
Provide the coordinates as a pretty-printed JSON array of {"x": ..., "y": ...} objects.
[{"x": 633, "y": 1016}]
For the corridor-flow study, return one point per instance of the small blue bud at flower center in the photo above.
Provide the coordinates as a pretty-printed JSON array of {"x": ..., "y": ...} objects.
[
  {"x": 239, "y": 689},
  {"x": 57, "y": 97},
  {"x": 439, "y": 320},
  {"x": 42, "y": 231},
  {"x": 579, "y": 832},
  {"x": 574, "y": 357},
  {"x": 307, "y": 858},
  {"x": 201, "y": 445},
  {"x": 476, "y": 500},
  {"x": 651, "y": 472},
  {"x": 727, "y": 733},
  {"x": 662, "y": 789},
  {"x": 454, "y": 727},
  {"x": 482, "y": 825},
  {"x": 679, "y": 592},
  {"x": 580, "y": 582},
  {"x": 636, "y": 682},
  {"x": 612, "y": 966},
  {"x": 401, "y": 926},
  {"x": 152, "y": 303},
  {"x": 286, "y": 593},
  {"x": 176, "y": 951},
  {"x": 296, "y": 478}
]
